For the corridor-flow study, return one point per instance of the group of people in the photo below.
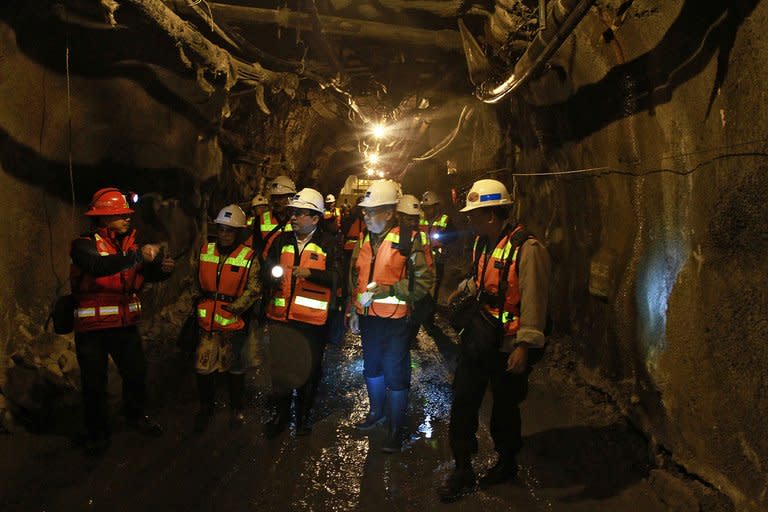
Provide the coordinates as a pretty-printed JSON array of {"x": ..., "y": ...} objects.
[{"x": 307, "y": 270}]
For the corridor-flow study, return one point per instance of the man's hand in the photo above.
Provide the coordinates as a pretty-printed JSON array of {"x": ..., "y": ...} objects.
[
  {"x": 167, "y": 265},
  {"x": 149, "y": 252},
  {"x": 354, "y": 323},
  {"x": 517, "y": 361},
  {"x": 300, "y": 272},
  {"x": 380, "y": 292}
]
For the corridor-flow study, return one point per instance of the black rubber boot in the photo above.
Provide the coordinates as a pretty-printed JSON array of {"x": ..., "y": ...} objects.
[
  {"x": 398, "y": 405},
  {"x": 236, "y": 396},
  {"x": 377, "y": 393},
  {"x": 503, "y": 471},
  {"x": 206, "y": 391},
  {"x": 460, "y": 483}
]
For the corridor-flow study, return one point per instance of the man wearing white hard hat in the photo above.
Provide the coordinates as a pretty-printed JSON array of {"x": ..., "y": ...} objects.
[
  {"x": 228, "y": 276},
  {"x": 332, "y": 215},
  {"x": 389, "y": 272},
  {"x": 302, "y": 272},
  {"x": 440, "y": 231},
  {"x": 259, "y": 204},
  {"x": 274, "y": 221},
  {"x": 502, "y": 336},
  {"x": 409, "y": 216}
]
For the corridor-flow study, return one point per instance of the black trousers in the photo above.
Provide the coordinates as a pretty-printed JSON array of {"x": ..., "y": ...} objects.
[
  {"x": 93, "y": 348},
  {"x": 479, "y": 364}
]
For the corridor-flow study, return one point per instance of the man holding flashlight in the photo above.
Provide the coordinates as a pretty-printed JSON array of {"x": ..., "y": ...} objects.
[
  {"x": 303, "y": 276},
  {"x": 387, "y": 276}
]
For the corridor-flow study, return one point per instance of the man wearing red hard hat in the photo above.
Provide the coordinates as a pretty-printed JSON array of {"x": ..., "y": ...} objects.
[{"x": 108, "y": 269}]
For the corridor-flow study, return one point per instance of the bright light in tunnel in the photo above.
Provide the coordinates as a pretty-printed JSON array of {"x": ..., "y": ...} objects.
[
  {"x": 379, "y": 131},
  {"x": 370, "y": 172},
  {"x": 380, "y": 174},
  {"x": 373, "y": 158}
]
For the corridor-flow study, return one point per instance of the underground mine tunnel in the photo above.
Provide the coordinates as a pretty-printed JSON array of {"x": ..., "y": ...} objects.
[{"x": 626, "y": 136}]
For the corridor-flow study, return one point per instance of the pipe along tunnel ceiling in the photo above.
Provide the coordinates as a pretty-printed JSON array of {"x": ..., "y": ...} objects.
[{"x": 630, "y": 131}]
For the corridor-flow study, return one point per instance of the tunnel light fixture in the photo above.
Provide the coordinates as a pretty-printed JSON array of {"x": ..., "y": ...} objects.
[
  {"x": 370, "y": 172},
  {"x": 380, "y": 174},
  {"x": 373, "y": 158},
  {"x": 379, "y": 131}
]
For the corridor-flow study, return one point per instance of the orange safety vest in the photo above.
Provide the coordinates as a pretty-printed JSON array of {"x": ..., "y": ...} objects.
[
  {"x": 434, "y": 231},
  {"x": 335, "y": 215},
  {"x": 269, "y": 230},
  {"x": 386, "y": 268},
  {"x": 352, "y": 237},
  {"x": 498, "y": 259},
  {"x": 111, "y": 301},
  {"x": 222, "y": 284},
  {"x": 300, "y": 299}
]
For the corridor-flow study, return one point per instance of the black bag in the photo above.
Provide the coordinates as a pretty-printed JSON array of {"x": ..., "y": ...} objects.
[
  {"x": 63, "y": 314},
  {"x": 189, "y": 336},
  {"x": 461, "y": 310}
]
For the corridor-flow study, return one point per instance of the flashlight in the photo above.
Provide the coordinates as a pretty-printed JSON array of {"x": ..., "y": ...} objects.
[
  {"x": 435, "y": 236},
  {"x": 277, "y": 271},
  {"x": 371, "y": 285}
]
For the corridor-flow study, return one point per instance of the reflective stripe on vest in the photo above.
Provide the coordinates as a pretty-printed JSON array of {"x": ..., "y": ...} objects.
[
  {"x": 217, "y": 284},
  {"x": 299, "y": 299},
  {"x": 389, "y": 267},
  {"x": 500, "y": 256}
]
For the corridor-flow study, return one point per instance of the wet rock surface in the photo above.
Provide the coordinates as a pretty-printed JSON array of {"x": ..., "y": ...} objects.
[{"x": 579, "y": 453}]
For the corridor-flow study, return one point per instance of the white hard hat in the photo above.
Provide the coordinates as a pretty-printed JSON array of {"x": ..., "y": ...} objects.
[
  {"x": 429, "y": 198},
  {"x": 308, "y": 199},
  {"x": 330, "y": 198},
  {"x": 259, "y": 200},
  {"x": 281, "y": 185},
  {"x": 232, "y": 216},
  {"x": 486, "y": 193},
  {"x": 380, "y": 193},
  {"x": 409, "y": 205}
]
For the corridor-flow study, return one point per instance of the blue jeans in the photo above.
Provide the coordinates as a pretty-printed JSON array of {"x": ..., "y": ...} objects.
[{"x": 386, "y": 350}]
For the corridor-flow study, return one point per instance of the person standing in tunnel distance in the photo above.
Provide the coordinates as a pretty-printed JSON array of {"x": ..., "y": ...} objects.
[
  {"x": 229, "y": 282},
  {"x": 302, "y": 273},
  {"x": 510, "y": 280},
  {"x": 387, "y": 273},
  {"x": 441, "y": 232},
  {"x": 107, "y": 272},
  {"x": 408, "y": 216},
  {"x": 275, "y": 220}
]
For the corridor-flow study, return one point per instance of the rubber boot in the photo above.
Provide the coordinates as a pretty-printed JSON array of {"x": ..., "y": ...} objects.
[
  {"x": 377, "y": 393},
  {"x": 398, "y": 404},
  {"x": 236, "y": 394},
  {"x": 504, "y": 470},
  {"x": 206, "y": 391}
]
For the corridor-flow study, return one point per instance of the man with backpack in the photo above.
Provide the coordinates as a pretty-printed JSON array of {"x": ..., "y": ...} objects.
[{"x": 503, "y": 336}]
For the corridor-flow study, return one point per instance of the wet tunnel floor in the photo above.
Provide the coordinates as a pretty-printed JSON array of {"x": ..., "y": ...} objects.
[{"x": 579, "y": 455}]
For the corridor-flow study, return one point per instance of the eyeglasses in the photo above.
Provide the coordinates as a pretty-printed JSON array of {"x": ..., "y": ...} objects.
[
  {"x": 371, "y": 212},
  {"x": 299, "y": 212}
]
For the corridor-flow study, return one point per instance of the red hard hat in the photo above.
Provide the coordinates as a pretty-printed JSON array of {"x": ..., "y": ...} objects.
[{"x": 108, "y": 201}]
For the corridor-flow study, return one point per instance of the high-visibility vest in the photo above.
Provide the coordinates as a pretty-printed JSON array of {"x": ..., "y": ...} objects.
[
  {"x": 111, "y": 301},
  {"x": 270, "y": 229},
  {"x": 352, "y": 236},
  {"x": 300, "y": 299},
  {"x": 434, "y": 231},
  {"x": 333, "y": 215},
  {"x": 222, "y": 285},
  {"x": 490, "y": 277},
  {"x": 386, "y": 268}
]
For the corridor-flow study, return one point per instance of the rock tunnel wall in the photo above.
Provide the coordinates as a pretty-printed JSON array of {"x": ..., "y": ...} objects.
[{"x": 660, "y": 240}]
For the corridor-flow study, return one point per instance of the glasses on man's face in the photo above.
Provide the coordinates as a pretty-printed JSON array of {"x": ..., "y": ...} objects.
[
  {"x": 372, "y": 212},
  {"x": 298, "y": 212}
]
